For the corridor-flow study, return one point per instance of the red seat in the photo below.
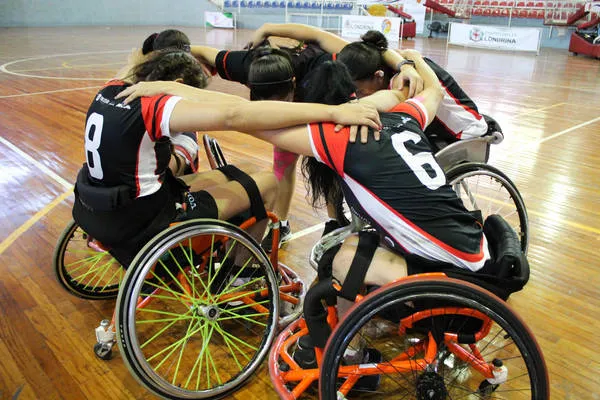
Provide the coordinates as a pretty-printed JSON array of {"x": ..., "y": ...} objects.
[
  {"x": 520, "y": 4},
  {"x": 522, "y": 14},
  {"x": 487, "y": 12},
  {"x": 531, "y": 13},
  {"x": 494, "y": 3},
  {"x": 477, "y": 11},
  {"x": 549, "y": 4},
  {"x": 530, "y": 4},
  {"x": 476, "y": 3},
  {"x": 540, "y": 14},
  {"x": 496, "y": 12},
  {"x": 539, "y": 4},
  {"x": 505, "y": 12},
  {"x": 510, "y": 3}
]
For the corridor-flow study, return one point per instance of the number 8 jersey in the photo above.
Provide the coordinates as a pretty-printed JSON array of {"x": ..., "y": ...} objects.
[
  {"x": 397, "y": 186},
  {"x": 128, "y": 144}
]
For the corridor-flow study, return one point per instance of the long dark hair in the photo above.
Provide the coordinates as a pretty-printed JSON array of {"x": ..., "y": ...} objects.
[
  {"x": 271, "y": 75},
  {"x": 169, "y": 65},
  {"x": 364, "y": 58},
  {"x": 331, "y": 84},
  {"x": 167, "y": 39}
]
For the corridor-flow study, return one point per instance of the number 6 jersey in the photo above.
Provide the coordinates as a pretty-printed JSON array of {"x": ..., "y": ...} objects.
[{"x": 396, "y": 185}]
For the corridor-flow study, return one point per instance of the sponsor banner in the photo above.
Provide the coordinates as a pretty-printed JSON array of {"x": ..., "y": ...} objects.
[
  {"x": 353, "y": 26},
  {"x": 495, "y": 37},
  {"x": 592, "y": 6},
  {"x": 215, "y": 19}
]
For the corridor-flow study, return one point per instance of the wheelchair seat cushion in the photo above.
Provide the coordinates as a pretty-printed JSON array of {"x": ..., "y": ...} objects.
[{"x": 506, "y": 272}]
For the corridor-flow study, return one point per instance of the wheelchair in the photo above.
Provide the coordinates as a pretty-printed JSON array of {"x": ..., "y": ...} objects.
[
  {"x": 425, "y": 336},
  {"x": 200, "y": 306},
  {"x": 196, "y": 311}
]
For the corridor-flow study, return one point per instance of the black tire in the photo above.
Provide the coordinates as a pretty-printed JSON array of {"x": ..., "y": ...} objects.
[
  {"x": 197, "y": 342},
  {"x": 483, "y": 187},
  {"x": 508, "y": 340},
  {"x": 82, "y": 270}
]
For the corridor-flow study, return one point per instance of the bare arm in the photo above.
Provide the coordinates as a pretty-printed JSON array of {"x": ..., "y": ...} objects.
[
  {"x": 329, "y": 42},
  {"x": 406, "y": 73},
  {"x": 187, "y": 92},
  {"x": 257, "y": 116},
  {"x": 205, "y": 54},
  {"x": 432, "y": 95}
]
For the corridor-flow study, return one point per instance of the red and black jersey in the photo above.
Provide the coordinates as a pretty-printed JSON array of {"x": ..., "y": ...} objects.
[
  {"x": 128, "y": 144},
  {"x": 397, "y": 186},
  {"x": 457, "y": 116},
  {"x": 235, "y": 65}
]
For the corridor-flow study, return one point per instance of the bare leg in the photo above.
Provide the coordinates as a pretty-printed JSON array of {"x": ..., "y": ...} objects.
[
  {"x": 385, "y": 267},
  {"x": 284, "y": 167}
]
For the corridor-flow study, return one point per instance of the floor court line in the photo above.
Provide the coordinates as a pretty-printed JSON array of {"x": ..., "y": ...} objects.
[
  {"x": 3, "y": 67},
  {"x": 63, "y": 182},
  {"x": 539, "y": 109},
  {"x": 48, "y": 92},
  {"x": 31, "y": 221}
]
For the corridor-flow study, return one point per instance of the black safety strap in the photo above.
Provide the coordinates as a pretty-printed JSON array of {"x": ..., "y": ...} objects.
[
  {"x": 256, "y": 203},
  {"x": 367, "y": 244}
]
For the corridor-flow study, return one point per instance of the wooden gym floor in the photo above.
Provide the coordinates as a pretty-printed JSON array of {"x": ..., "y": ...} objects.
[{"x": 548, "y": 106}]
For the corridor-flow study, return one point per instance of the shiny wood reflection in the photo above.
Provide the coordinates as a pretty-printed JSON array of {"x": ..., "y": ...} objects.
[{"x": 547, "y": 105}]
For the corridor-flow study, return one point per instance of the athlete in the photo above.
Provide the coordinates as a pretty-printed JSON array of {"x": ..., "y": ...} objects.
[
  {"x": 125, "y": 193},
  {"x": 404, "y": 195},
  {"x": 373, "y": 67}
]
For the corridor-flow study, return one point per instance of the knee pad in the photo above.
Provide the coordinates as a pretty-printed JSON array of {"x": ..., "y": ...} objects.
[{"x": 185, "y": 145}]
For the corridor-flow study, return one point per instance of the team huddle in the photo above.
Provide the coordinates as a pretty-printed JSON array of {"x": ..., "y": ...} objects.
[{"x": 140, "y": 174}]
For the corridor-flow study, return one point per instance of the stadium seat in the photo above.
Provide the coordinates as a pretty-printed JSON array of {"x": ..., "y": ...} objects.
[
  {"x": 495, "y": 12},
  {"x": 227, "y": 3},
  {"x": 494, "y": 3},
  {"x": 522, "y": 14},
  {"x": 505, "y": 12},
  {"x": 477, "y": 3},
  {"x": 487, "y": 12},
  {"x": 520, "y": 4},
  {"x": 477, "y": 11}
]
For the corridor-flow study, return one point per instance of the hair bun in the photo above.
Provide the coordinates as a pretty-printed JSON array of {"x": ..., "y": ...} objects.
[
  {"x": 376, "y": 39},
  {"x": 148, "y": 45}
]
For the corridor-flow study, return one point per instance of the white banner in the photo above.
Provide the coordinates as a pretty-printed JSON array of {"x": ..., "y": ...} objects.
[
  {"x": 417, "y": 10},
  {"x": 495, "y": 37},
  {"x": 353, "y": 26},
  {"x": 215, "y": 19}
]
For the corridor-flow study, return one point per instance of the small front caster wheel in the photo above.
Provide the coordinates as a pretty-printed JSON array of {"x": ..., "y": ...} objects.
[{"x": 103, "y": 351}]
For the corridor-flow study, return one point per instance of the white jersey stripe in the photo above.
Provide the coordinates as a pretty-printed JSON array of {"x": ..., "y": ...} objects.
[
  {"x": 411, "y": 239},
  {"x": 166, "y": 115},
  {"x": 457, "y": 119},
  {"x": 146, "y": 179}
]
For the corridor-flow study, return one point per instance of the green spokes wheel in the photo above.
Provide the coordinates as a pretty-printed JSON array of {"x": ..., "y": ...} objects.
[
  {"x": 83, "y": 269},
  {"x": 198, "y": 311}
]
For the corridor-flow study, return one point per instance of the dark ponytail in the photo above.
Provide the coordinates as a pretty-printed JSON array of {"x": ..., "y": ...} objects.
[
  {"x": 364, "y": 58},
  {"x": 169, "y": 65},
  {"x": 331, "y": 84},
  {"x": 271, "y": 75},
  {"x": 167, "y": 39}
]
